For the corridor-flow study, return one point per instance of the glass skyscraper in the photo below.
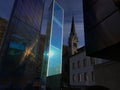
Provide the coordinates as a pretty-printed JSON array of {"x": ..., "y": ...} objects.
[
  {"x": 19, "y": 53},
  {"x": 53, "y": 51}
]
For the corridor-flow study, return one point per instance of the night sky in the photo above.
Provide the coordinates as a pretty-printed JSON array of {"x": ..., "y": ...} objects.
[{"x": 71, "y": 8}]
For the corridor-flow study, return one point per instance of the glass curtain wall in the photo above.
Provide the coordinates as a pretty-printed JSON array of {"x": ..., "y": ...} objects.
[
  {"x": 53, "y": 51},
  {"x": 20, "y": 47}
]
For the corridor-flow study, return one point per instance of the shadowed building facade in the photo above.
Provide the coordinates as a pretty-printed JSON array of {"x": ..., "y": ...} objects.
[
  {"x": 102, "y": 39},
  {"x": 3, "y": 26},
  {"x": 102, "y": 29},
  {"x": 108, "y": 75}
]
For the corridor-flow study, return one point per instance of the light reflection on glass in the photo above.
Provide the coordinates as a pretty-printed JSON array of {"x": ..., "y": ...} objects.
[{"x": 55, "y": 49}]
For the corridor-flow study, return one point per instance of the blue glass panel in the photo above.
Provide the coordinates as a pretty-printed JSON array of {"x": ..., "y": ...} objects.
[
  {"x": 18, "y": 46},
  {"x": 54, "y": 61},
  {"x": 56, "y": 35},
  {"x": 55, "y": 51},
  {"x": 57, "y": 21},
  {"x": 58, "y": 13}
]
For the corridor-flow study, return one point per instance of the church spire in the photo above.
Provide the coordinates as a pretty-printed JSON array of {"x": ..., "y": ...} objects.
[
  {"x": 73, "y": 26},
  {"x": 73, "y": 39}
]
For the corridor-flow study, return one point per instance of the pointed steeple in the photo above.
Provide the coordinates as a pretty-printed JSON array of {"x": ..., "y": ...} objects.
[
  {"x": 73, "y": 26},
  {"x": 73, "y": 39}
]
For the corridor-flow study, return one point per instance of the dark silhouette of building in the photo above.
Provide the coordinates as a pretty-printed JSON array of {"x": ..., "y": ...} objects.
[
  {"x": 108, "y": 75},
  {"x": 97, "y": 88},
  {"x": 101, "y": 25},
  {"x": 102, "y": 39},
  {"x": 3, "y": 26},
  {"x": 65, "y": 67}
]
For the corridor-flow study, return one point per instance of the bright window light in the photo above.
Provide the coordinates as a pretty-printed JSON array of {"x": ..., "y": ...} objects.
[{"x": 51, "y": 53}]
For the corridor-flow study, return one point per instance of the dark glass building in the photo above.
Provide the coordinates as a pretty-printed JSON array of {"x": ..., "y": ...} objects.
[
  {"x": 19, "y": 53},
  {"x": 102, "y": 29},
  {"x": 52, "y": 66},
  {"x": 3, "y": 25}
]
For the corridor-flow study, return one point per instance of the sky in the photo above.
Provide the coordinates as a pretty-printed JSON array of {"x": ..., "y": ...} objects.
[
  {"x": 71, "y": 8},
  {"x": 6, "y": 8}
]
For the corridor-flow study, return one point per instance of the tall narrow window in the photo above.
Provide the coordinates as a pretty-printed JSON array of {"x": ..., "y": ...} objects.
[
  {"x": 79, "y": 77},
  {"x": 73, "y": 65},
  {"x": 74, "y": 78},
  {"x": 86, "y": 77},
  {"x": 93, "y": 77},
  {"x": 78, "y": 64},
  {"x": 81, "y": 63},
  {"x": 84, "y": 62}
]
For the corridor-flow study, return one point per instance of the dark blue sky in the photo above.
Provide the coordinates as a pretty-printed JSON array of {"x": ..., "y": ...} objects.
[
  {"x": 5, "y": 8},
  {"x": 71, "y": 8}
]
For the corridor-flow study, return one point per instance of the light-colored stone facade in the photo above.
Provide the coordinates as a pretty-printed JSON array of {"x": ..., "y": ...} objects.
[{"x": 82, "y": 69}]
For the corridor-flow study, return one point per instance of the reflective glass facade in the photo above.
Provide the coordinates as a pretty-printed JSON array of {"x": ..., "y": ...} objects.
[
  {"x": 55, "y": 48},
  {"x": 53, "y": 51},
  {"x": 20, "y": 48}
]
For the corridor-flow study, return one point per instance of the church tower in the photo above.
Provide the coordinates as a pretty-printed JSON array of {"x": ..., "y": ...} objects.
[{"x": 73, "y": 39}]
